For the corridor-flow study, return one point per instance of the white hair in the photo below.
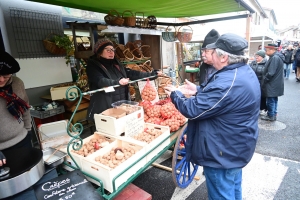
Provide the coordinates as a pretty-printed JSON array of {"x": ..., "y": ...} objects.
[{"x": 232, "y": 58}]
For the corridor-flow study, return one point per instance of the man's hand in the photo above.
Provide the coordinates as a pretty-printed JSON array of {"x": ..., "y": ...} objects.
[
  {"x": 2, "y": 159},
  {"x": 191, "y": 87},
  {"x": 169, "y": 89}
]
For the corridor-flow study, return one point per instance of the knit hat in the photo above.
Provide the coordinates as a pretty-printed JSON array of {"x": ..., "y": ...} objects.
[
  {"x": 261, "y": 53},
  {"x": 101, "y": 44},
  {"x": 211, "y": 37},
  {"x": 8, "y": 65}
]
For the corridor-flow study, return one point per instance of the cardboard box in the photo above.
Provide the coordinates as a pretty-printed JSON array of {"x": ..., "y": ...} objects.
[
  {"x": 79, "y": 115},
  {"x": 114, "y": 112},
  {"x": 78, "y": 158},
  {"x": 113, "y": 126},
  {"x": 60, "y": 92},
  {"x": 148, "y": 146},
  {"x": 107, "y": 174},
  {"x": 53, "y": 134},
  {"x": 71, "y": 105}
]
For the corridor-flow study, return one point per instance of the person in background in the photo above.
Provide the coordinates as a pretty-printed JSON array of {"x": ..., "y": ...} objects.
[
  {"x": 206, "y": 67},
  {"x": 296, "y": 45},
  {"x": 104, "y": 70},
  {"x": 288, "y": 60},
  {"x": 15, "y": 120},
  {"x": 259, "y": 47},
  {"x": 297, "y": 64},
  {"x": 222, "y": 118},
  {"x": 258, "y": 66},
  {"x": 273, "y": 81}
]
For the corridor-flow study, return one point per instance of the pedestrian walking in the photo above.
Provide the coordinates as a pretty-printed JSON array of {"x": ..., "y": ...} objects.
[
  {"x": 296, "y": 46},
  {"x": 288, "y": 60},
  {"x": 258, "y": 66},
  {"x": 273, "y": 81},
  {"x": 223, "y": 118},
  {"x": 297, "y": 64}
]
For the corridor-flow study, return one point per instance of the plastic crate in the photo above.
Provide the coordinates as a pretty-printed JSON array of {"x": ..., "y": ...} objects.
[{"x": 47, "y": 113}]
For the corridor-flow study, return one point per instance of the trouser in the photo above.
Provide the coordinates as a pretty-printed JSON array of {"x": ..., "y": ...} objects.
[
  {"x": 287, "y": 69},
  {"x": 295, "y": 67},
  {"x": 223, "y": 183},
  {"x": 272, "y": 106},
  {"x": 25, "y": 143},
  {"x": 263, "y": 103}
]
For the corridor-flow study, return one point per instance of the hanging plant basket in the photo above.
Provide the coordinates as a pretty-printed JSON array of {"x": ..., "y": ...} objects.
[{"x": 51, "y": 47}]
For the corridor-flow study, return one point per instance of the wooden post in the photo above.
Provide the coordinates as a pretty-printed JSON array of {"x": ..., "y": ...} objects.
[{"x": 248, "y": 30}]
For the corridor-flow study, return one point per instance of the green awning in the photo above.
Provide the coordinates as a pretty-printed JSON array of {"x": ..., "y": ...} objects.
[{"x": 158, "y": 8}]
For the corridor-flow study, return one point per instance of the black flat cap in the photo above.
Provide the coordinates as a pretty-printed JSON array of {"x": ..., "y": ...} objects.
[
  {"x": 231, "y": 43},
  {"x": 211, "y": 37},
  {"x": 272, "y": 46},
  {"x": 8, "y": 65}
]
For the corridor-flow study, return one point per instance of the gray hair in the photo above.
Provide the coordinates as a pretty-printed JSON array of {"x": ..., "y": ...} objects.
[{"x": 232, "y": 59}]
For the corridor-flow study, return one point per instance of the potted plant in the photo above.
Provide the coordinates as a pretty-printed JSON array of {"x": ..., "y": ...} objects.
[{"x": 65, "y": 43}]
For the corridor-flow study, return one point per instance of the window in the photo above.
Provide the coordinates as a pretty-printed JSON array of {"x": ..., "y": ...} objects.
[{"x": 191, "y": 51}]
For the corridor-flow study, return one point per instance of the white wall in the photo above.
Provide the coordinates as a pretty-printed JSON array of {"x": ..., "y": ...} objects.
[
  {"x": 43, "y": 72},
  {"x": 34, "y": 72}
]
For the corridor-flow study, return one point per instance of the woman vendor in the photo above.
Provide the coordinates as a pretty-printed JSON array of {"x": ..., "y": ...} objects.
[
  {"x": 104, "y": 70},
  {"x": 15, "y": 120}
]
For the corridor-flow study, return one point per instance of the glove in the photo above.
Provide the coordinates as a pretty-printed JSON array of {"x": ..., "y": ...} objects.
[{"x": 2, "y": 159}]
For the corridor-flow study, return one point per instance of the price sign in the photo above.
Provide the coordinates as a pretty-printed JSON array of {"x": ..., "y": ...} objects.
[
  {"x": 72, "y": 185},
  {"x": 109, "y": 89},
  {"x": 134, "y": 125}
]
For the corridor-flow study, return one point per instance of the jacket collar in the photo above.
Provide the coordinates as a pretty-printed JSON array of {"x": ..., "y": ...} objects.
[{"x": 226, "y": 68}]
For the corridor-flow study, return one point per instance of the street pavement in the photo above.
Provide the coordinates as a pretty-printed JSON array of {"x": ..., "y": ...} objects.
[{"x": 273, "y": 172}]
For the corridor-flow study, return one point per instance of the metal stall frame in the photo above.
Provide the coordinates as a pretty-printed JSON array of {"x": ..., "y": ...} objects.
[{"x": 77, "y": 143}]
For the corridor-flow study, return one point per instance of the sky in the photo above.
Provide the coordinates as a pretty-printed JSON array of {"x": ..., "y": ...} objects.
[{"x": 286, "y": 11}]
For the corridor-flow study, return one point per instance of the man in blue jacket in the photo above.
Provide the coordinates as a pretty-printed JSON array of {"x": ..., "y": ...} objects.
[{"x": 223, "y": 118}]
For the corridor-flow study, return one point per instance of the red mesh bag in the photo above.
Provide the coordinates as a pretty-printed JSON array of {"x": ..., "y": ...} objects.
[
  {"x": 173, "y": 123},
  {"x": 154, "y": 111},
  {"x": 154, "y": 120},
  {"x": 149, "y": 92},
  {"x": 168, "y": 110}
]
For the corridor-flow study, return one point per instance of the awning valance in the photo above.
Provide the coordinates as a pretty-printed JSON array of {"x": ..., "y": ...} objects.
[{"x": 158, "y": 8}]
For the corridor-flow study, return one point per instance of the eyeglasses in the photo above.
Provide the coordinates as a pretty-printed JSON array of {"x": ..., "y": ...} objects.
[
  {"x": 109, "y": 50},
  {"x": 6, "y": 76}
]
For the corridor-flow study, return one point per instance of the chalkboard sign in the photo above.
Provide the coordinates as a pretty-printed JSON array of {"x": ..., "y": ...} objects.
[{"x": 71, "y": 186}]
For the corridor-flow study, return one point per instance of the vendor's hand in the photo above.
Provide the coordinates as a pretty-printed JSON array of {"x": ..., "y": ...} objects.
[
  {"x": 124, "y": 81},
  {"x": 2, "y": 159},
  {"x": 190, "y": 86},
  {"x": 169, "y": 89},
  {"x": 159, "y": 73}
]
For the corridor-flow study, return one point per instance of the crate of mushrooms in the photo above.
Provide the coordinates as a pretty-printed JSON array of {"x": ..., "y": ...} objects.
[
  {"x": 92, "y": 144},
  {"x": 151, "y": 135},
  {"x": 110, "y": 162}
]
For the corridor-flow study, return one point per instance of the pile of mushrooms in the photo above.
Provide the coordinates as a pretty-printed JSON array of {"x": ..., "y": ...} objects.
[
  {"x": 116, "y": 156},
  {"x": 148, "y": 135}
]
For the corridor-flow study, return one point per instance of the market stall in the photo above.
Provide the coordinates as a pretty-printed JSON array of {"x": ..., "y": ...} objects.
[{"x": 142, "y": 155}]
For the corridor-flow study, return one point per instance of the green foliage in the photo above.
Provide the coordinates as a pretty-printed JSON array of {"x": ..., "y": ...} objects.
[{"x": 65, "y": 43}]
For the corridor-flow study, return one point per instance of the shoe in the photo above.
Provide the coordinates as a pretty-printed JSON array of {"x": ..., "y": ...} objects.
[
  {"x": 268, "y": 118},
  {"x": 263, "y": 113}
]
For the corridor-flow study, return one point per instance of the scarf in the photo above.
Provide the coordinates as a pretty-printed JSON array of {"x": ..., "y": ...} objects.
[{"x": 14, "y": 104}]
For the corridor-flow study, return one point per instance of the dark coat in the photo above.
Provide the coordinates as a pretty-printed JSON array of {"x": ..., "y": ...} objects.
[
  {"x": 296, "y": 56},
  {"x": 273, "y": 81},
  {"x": 99, "y": 77},
  {"x": 223, "y": 118},
  {"x": 205, "y": 71},
  {"x": 258, "y": 68},
  {"x": 288, "y": 56}
]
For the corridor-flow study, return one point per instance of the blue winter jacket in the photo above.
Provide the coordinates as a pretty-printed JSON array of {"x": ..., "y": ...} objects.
[{"x": 222, "y": 118}]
